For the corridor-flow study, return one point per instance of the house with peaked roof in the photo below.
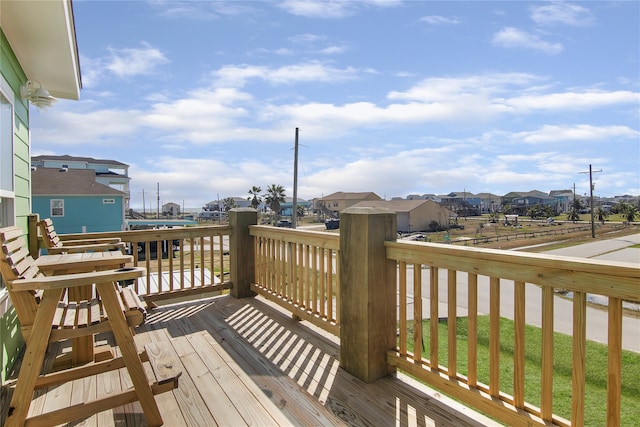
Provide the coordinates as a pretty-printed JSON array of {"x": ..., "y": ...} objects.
[
  {"x": 463, "y": 203},
  {"x": 286, "y": 208},
  {"x": 76, "y": 202},
  {"x": 170, "y": 209},
  {"x": 334, "y": 203},
  {"x": 564, "y": 199},
  {"x": 38, "y": 48},
  {"x": 526, "y": 201},
  {"x": 413, "y": 215},
  {"x": 112, "y": 173}
]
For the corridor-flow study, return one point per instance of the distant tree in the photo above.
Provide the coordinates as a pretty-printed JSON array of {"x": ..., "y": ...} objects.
[
  {"x": 255, "y": 196},
  {"x": 574, "y": 212},
  {"x": 229, "y": 204},
  {"x": 573, "y": 215},
  {"x": 619, "y": 208},
  {"x": 602, "y": 215},
  {"x": 630, "y": 212},
  {"x": 274, "y": 197},
  {"x": 539, "y": 211}
]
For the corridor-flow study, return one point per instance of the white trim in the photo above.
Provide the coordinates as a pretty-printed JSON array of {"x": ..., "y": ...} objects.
[
  {"x": 7, "y": 91},
  {"x": 5, "y": 302},
  {"x": 51, "y": 207}
]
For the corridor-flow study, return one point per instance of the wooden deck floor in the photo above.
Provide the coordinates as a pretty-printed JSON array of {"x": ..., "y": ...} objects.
[{"x": 245, "y": 362}]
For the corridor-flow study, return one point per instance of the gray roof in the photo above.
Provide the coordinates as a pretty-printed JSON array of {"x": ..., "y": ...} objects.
[
  {"x": 72, "y": 182},
  {"x": 341, "y": 195},
  {"x": 69, "y": 158},
  {"x": 395, "y": 205}
]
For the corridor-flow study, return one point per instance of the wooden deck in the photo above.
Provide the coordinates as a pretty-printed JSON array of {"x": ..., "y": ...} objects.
[{"x": 245, "y": 362}]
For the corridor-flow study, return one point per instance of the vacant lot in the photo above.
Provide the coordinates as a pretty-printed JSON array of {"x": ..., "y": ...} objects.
[{"x": 532, "y": 233}]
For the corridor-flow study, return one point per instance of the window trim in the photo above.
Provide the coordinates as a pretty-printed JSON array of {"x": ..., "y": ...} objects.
[
  {"x": 7, "y": 93},
  {"x": 52, "y": 207}
]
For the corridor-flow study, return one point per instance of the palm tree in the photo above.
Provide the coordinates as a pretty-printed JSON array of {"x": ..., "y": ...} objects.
[
  {"x": 602, "y": 214},
  {"x": 229, "y": 204},
  {"x": 630, "y": 212},
  {"x": 254, "y": 196},
  {"x": 273, "y": 198}
]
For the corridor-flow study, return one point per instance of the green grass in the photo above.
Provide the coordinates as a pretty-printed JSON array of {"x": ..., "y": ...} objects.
[{"x": 596, "y": 369}]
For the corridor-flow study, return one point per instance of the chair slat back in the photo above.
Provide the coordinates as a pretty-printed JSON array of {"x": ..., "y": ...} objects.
[
  {"x": 49, "y": 235},
  {"x": 16, "y": 263}
]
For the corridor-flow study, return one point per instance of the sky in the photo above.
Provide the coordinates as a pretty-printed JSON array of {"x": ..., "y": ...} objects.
[{"x": 202, "y": 98}]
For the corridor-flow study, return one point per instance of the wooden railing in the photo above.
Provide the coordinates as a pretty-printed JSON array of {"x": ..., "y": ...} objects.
[
  {"x": 440, "y": 273},
  {"x": 299, "y": 271},
  {"x": 369, "y": 289},
  {"x": 179, "y": 261}
]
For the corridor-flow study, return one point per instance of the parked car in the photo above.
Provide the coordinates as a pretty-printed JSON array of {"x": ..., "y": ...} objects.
[
  {"x": 153, "y": 249},
  {"x": 332, "y": 224},
  {"x": 284, "y": 223}
]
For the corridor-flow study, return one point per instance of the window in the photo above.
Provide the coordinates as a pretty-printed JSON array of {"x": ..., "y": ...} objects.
[
  {"x": 57, "y": 207},
  {"x": 6, "y": 156},
  {"x": 7, "y": 194}
]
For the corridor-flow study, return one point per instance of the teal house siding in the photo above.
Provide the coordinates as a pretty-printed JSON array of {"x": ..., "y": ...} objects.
[
  {"x": 84, "y": 205},
  {"x": 83, "y": 214}
]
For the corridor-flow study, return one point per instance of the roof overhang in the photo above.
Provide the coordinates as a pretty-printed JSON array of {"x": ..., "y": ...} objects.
[{"x": 43, "y": 37}]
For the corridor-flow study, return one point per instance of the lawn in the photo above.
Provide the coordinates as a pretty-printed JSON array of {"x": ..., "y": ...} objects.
[{"x": 596, "y": 369}]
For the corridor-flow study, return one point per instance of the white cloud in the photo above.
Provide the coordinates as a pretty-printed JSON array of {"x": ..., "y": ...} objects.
[
  {"x": 238, "y": 76},
  {"x": 572, "y": 100},
  {"x": 513, "y": 38},
  {"x": 560, "y": 12},
  {"x": 439, "y": 20},
  {"x": 318, "y": 9},
  {"x": 331, "y": 9},
  {"x": 127, "y": 62},
  {"x": 586, "y": 133}
]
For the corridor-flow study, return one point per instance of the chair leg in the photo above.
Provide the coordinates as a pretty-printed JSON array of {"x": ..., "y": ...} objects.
[
  {"x": 33, "y": 359},
  {"x": 125, "y": 342}
]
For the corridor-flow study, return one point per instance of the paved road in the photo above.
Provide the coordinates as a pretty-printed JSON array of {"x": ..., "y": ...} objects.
[{"x": 617, "y": 249}]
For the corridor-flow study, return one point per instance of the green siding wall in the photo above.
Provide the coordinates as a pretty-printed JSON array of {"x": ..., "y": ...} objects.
[{"x": 10, "y": 338}]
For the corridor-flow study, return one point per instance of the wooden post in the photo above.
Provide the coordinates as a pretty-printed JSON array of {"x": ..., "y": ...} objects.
[
  {"x": 241, "y": 251},
  {"x": 33, "y": 243},
  {"x": 367, "y": 292}
]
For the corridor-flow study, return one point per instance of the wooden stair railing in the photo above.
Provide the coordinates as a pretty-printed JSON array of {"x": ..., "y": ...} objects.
[
  {"x": 54, "y": 245},
  {"x": 45, "y": 318}
]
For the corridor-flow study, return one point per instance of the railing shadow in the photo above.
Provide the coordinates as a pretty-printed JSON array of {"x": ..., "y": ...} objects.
[{"x": 308, "y": 357}]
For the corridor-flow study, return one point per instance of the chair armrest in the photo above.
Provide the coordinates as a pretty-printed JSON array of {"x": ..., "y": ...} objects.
[
  {"x": 77, "y": 242},
  {"x": 79, "y": 279},
  {"x": 87, "y": 248}
]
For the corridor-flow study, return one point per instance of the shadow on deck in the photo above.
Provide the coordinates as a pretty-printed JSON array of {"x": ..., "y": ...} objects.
[{"x": 245, "y": 362}]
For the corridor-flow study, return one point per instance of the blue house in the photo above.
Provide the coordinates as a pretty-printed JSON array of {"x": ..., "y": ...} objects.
[
  {"x": 108, "y": 172},
  {"x": 286, "y": 208},
  {"x": 76, "y": 202},
  {"x": 533, "y": 198}
]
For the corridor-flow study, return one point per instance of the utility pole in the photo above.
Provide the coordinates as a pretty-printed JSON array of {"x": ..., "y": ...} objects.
[
  {"x": 593, "y": 224},
  {"x": 294, "y": 214},
  {"x": 158, "y": 203}
]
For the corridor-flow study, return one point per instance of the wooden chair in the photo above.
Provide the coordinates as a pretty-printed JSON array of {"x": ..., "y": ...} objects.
[
  {"x": 54, "y": 245},
  {"x": 45, "y": 318}
]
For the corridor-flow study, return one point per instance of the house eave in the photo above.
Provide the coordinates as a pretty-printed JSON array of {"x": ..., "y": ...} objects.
[{"x": 43, "y": 38}]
